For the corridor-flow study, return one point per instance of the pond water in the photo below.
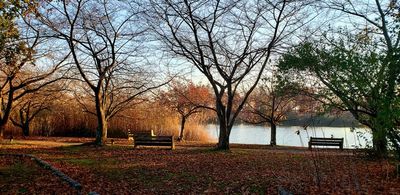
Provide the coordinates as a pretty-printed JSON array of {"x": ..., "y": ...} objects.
[{"x": 287, "y": 135}]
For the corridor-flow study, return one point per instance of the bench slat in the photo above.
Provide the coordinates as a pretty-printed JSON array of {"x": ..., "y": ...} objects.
[
  {"x": 327, "y": 144},
  {"x": 152, "y": 137},
  {"x": 326, "y": 139},
  {"x": 320, "y": 141},
  {"x": 154, "y": 140},
  {"x": 154, "y": 143}
]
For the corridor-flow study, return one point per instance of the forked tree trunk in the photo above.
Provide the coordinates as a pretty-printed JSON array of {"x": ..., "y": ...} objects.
[
  {"x": 183, "y": 121},
  {"x": 273, "y": 134},
  {"x": 25, "y": 129}
]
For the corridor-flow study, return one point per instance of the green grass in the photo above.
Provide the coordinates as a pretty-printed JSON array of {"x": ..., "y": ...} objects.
[
  {"x": 17, "y": 172},
  {"x": 71, "y": 149},
  {"x": 83, "y": 162},
  {"x": 298, "y": 156},
  {"x": 255, "y": 189}
]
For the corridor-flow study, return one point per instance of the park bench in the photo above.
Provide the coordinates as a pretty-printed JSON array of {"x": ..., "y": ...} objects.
[
  {"x": 147, "y": 138},
  {"x": 321, "y": 141}
]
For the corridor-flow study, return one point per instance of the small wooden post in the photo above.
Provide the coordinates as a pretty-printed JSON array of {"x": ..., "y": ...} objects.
[
  {"x": 173, "y": 143},
  {"x": 11, "y": 139},
  {"x": 130, "y": 136}
]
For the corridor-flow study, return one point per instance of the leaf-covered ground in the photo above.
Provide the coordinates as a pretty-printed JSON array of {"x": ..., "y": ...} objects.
[
  {"x": 197, "y": 169},
  {"x": 21, "y": 175}
]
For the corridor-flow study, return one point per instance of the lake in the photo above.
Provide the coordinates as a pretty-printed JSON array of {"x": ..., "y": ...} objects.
[{"x": 287, "y": 136}]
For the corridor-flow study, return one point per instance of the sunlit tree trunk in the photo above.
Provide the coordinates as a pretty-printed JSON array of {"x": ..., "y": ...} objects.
[
  {"x": 101, "y": 134},
  {"x": 183, "y": 121}
]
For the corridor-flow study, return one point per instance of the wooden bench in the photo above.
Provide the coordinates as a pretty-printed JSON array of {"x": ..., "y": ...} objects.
[
  {"x": 321, "y": 141},
  {"x": 147, "y": 138}
]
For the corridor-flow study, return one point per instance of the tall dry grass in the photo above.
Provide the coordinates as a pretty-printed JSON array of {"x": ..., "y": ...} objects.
[{"x": 69, "y": 120}]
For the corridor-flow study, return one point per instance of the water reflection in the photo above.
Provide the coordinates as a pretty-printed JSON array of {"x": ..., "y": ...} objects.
[{"x": 294, "y": 135}]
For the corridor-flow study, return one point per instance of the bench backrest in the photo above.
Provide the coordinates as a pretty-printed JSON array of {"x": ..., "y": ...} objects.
[
  {"x": 148, "y": 133},
  {"x": 141, "y": 133},
  {"x": 323, "y": 139}
]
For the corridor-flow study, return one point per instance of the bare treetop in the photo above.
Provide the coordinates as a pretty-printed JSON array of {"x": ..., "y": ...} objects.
[
  {"x": 106, "y": 40},
  {"x": 230, "y": 42}
]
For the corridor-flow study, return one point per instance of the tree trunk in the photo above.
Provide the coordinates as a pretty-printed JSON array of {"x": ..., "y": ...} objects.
[
  {"x": 273, "y": 134},
  {"x": 384, "y": 122},
  {"x": 24, "y": 118},
  {"x": 379, "y": 141},
  {"x": 25, "y": 129},
  {"x": 7, "y": 111},
  {"x": 3, "y": 124},
  {"x": 223, "y": 141},
  {"x": 1, "y": 131},
  {"x": 183, "y": 121},
  {"x": 101, "y": 132}
]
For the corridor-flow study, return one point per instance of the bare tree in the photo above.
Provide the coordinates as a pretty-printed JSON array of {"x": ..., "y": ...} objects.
[
  {"x": 270, "y": 103},
  {"x": 27, "y": 108},
  {"x": 229, "y": 42},
  {"x": 187, "y": 100},
  {"x": 106, "y": 44},
  {"x": 20, "y": 72}
]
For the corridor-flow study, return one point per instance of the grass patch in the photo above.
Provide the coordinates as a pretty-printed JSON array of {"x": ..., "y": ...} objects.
[
  {"x": 114, "y": 173},
  {"x": 95, "y": 163},
  {"x": 83, "y": 162},
  {"x": 72, "y": 149},
  {"x": 22, "y": 190},
  {"x": 17, "y": 171},
  {"x": 298, "y": 156},
  {"x": 255, "y": 189}
]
